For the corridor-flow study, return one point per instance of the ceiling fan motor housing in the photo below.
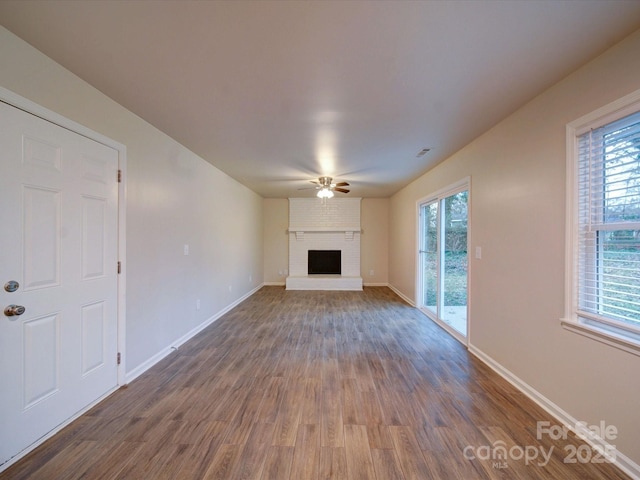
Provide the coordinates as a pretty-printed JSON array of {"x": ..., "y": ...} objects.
[{"x": 325, "y": 181}]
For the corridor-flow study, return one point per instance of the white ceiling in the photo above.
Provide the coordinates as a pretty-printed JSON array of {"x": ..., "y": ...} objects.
[{"x": 276, "y": 93}]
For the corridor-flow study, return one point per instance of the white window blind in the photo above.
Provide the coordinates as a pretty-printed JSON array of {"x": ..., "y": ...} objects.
[{"x": 608, "y": 257}]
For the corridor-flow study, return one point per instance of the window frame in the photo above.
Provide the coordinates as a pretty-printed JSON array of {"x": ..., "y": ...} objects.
[{"x": 607, "y": 332}]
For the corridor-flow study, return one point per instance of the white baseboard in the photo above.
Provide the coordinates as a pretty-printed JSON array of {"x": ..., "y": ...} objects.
[
  {"x": 274, "y": 284},
  {"x": 402, "y": 295},
  {"x": 623, "y": 462},
  {"x": 140, "y": 369},
  {"x": 375, "y": 284}
]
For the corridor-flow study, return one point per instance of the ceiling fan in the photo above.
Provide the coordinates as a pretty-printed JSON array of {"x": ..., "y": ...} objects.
[{"x": 326, "y": 188}]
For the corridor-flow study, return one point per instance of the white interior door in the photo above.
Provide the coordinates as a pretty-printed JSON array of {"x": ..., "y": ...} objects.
[{"x": 59, "y": 225}]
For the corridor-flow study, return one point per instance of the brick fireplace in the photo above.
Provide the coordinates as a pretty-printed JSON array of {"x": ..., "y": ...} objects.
[{"x": 324, "y": 225}]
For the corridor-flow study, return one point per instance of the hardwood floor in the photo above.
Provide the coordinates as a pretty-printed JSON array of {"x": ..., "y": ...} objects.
[{"x": 311, "y": 385}]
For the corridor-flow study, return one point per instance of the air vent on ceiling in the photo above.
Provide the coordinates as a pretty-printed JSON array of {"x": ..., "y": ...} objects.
[{"x": 422, "y": 152}]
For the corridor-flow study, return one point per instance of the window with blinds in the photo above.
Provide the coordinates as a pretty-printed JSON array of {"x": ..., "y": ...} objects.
[{"x": 608, "y": 225}]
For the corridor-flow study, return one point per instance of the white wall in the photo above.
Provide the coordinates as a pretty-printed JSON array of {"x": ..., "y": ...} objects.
[
  {"x": 517, "y": 174},
  {"x": 374, "y": 242},
  {"x": 276, "y": 240},
  {"x": 173, "y": 198}
]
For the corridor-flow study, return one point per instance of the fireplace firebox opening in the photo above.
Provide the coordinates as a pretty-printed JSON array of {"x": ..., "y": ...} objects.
[{"x": 324, "y": 262}]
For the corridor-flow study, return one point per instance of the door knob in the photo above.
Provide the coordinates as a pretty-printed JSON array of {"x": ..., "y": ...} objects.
[
  {"x": 11, "y": 286},
  {"x": 14, "y": 310}
]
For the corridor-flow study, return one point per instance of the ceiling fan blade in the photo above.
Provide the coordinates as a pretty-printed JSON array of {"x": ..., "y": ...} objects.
[
  {"x": 343, "y": 190},
  {"x": 309, "y": 188},
  {"x": 342, "y": 184},
  {"x": 313, "y": 181}
]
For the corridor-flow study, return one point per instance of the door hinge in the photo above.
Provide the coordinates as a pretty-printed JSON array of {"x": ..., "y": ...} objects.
[
  {"x": 119, "y": 267},
  {"x": 119, "y": 176},
  {"x": 119, "y": 359}
]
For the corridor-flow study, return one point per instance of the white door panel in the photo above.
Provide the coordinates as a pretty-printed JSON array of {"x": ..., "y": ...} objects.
[{"x": 58, "y": 220}]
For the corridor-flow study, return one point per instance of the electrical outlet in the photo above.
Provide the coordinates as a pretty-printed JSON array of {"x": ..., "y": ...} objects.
[
  {"x": 478, "y": 252},
  {"x": 279, "y": 273},
  {"x": 230, "y": 288},
  {"x": 186, "y": 249},
  {"x": 371, "y": 273},
  {"x": 250, "y": 278},
  {"x": 198, "y": 304}
]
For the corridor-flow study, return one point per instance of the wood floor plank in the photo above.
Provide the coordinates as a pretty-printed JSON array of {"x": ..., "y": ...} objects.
[
  {"x": 359, "y": 462},
  {"x": 227, "y": 408},
  {"x": 379, "y": 437},
  {"x": 277, "y": 464},
  {"x": 142, "y": 429},
  {"x": 205, "y": 401},
  {"x": 304, "y": 385},
  {"x": 77, "y": 453},
  {"x": 253, "y": 455},
  {"x": 311, "y": 413},
  {"x": 386, "y": 464},
  {"x": 102, "y": 428},
  {"x": 306, "y": 455},
  {"x": 409, "y": 454},
  {"x": 352, "y": 400},
  {"x": 169, "y": 403},
  {"x": 332, "y": 425},
  {"x": 274, "y": 393},
  {"x": 288, "y": 417},
  {"x": 223, "y": 463},
  {"x": 245, "y": 417},
  {"x": 392, "y": 402},
  {"x": 206, "y": 443},
  {"x": 167, "y": 465},
  {"x": 333, "y": 464},
  {"x": 155, "y": 458},
  {"x": 314, "y": 363},
  {"x": 107, "y": 463},
  {"x": 449, "y": 466}
]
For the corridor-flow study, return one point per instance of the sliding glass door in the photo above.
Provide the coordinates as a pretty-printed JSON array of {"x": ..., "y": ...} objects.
[{"x": 444, "y": 260}]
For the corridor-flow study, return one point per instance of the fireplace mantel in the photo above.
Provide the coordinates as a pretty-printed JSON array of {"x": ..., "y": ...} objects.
[
  {"x": 348, "y": 232},
  {"x": 324, "y": 229}
]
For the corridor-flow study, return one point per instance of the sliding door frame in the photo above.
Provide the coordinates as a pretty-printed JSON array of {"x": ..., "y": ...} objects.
[{"x": 460, "y": 186}]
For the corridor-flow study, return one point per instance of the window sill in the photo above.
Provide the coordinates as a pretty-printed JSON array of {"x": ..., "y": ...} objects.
[{"x": 603, "y": 335}]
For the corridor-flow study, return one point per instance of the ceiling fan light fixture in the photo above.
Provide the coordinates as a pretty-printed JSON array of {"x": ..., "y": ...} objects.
[{"x": 325, "y": 193}]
